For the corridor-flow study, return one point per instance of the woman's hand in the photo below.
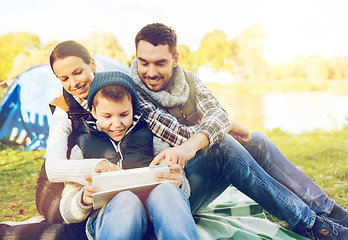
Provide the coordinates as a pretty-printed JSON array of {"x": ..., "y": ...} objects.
[
  {"x": 87, "y": 198},
  {"x": 175, "y": 175},
  {"x": 106, "y": 166}
]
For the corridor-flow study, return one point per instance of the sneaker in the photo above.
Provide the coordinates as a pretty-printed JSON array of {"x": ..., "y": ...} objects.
[
  {"x": 341, "y": 221},
  {"x": 339, "y": 215},
  {"x": 327, "y": 229}
]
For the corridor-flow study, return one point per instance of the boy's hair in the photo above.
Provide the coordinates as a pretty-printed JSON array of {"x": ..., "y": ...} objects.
[
  {"x": 158, "y": 34},
  {"x": 111, "y": 92}
]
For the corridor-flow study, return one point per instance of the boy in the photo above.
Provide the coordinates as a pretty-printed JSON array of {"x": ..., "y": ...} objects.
[{"x": 121, "y": 136}]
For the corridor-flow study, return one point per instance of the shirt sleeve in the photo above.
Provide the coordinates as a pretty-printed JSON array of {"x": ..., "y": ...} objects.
[
  {"x": 71, "y": 207},
  {"x": 163, "y": 124},
  {"x": 215, "y": 121},
  {"x": 58, "y": 167}
]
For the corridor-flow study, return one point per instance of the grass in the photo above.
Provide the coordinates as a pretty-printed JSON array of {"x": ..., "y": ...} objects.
[
  {"x": 323, "y": 156},
  {"x": 19, "y": 171}
]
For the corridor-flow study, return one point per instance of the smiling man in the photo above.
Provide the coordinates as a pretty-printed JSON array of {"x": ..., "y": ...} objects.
[{"x": 213, "y": 159}]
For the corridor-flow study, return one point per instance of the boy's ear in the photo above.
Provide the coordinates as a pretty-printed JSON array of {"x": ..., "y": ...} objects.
[{"x": 93, "y": 112}]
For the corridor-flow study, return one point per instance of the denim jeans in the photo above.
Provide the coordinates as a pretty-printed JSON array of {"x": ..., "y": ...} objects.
[
  {"x": 262, "y": 172},
  {"x": 125, "y": 216}
]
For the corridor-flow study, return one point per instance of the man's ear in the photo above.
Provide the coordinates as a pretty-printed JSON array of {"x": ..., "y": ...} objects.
[{"x": 176, "y": 59}]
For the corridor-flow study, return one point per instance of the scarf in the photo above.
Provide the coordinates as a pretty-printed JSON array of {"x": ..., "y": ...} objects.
[{"x": 177, "y": 95}]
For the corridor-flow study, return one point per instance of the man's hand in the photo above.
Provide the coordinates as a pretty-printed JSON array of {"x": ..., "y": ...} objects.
[
  {"x": 175, "y": 155},
  {"x": 87, "y": 198},
  {"x": 239, "y": 132},
  {"x": 106, "y": 166},
  {"x": 175, "y": 175},
  {"x": 182, "y": 153}
]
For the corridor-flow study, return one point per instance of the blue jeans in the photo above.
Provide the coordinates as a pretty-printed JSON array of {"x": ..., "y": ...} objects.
[
  {"x": 262, "y": 172},
  {"x": 124, "y": 217}
]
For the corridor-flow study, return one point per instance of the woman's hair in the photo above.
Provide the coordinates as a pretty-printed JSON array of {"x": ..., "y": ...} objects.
[
  {"x": 68, "y": 49},
  {"x": 158, "y": 34}
]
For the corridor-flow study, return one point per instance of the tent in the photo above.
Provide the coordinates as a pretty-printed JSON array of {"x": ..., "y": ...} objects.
[{"x": 24, "y": 110}]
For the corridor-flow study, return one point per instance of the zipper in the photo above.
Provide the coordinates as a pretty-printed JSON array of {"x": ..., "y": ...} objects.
[{"x": 118, "y": 151}]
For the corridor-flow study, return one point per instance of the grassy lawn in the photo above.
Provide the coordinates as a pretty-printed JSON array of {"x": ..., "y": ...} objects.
[{"x": 321, "y": 155}]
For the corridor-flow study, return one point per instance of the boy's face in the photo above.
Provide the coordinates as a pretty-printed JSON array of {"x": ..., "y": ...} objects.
[
  {"x": 114, "y": 118},
  {"x": 155, "y": 65}
]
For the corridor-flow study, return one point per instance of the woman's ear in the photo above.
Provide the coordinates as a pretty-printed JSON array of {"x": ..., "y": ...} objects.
[{"x": 93, "y": 66}]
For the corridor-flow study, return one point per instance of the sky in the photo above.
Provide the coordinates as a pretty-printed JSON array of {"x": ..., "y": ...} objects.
[{"x": 293, "y": 27}]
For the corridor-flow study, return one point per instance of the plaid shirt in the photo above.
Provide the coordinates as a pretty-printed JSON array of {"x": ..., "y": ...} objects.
[{"x": 214, "y": 120}]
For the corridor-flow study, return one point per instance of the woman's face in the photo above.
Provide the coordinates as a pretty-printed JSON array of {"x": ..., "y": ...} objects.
[{"x": 75, "y": 75}]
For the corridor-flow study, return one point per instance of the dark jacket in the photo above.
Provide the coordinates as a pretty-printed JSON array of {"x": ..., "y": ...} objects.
[{"x": 133, "y": 151}]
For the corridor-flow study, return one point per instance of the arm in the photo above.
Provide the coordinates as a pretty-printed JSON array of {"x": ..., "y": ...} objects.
[
  {"x": 71, "y": 207},
  {"x": 214, "y": 125},
  {"x": 163, "y": 124},
  {"x": 58, "y": 167}
]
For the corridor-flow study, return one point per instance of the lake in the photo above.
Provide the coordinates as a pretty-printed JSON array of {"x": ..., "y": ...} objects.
[{"x": 292, "y": 112}]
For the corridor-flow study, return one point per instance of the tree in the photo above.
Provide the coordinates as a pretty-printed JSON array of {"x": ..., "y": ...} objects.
[
  {"x": 187, "y": 58},
  {"x": 105, "y": 44},
  {"x": 317, "y": 70},
  {"x": 13, "y": 44},
  {"x": 250, "y": 53},
  {"x": 216, "y": 52}
]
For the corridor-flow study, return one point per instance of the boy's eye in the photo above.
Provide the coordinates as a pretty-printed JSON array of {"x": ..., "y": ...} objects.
[
  {"x": 64, "y": 79},
  {"x": 79, "y": 72}
]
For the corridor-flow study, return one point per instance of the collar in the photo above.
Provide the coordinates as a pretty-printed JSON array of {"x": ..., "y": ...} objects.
[{"x": 177, "y": 95}]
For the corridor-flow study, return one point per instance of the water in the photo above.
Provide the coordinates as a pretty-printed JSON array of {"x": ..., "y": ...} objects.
[{"x": 292, "y": 112}]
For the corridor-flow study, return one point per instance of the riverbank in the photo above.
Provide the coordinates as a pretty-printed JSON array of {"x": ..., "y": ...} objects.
[
  {"x": 321, "y": 155},
  {"x": 338, "y": 87}
]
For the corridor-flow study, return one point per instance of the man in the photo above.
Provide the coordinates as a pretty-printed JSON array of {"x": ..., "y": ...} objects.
[{"x": 213, "y": 160}]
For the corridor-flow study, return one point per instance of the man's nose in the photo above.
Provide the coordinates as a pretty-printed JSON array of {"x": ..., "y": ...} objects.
[{"x": 152, "y": 72}]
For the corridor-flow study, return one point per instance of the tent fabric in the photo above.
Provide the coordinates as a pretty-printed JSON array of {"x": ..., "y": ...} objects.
[{"x": 24, "y": 110}]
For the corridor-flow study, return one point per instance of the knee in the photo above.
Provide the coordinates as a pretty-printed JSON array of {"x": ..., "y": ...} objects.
[
  {"x": 166, "y": 192},
  {"x": 125, "y": 199},
  {"x": 259, "y": 138}
]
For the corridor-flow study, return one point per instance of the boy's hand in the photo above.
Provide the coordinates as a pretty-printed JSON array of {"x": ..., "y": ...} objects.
[
  {"x": 87, "y": 198},
  {"x": 175, "y": 175},
  {"x": 106, "y": 166}
]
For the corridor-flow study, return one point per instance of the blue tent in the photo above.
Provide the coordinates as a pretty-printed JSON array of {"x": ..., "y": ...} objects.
[{"x": 24, "y": 110}]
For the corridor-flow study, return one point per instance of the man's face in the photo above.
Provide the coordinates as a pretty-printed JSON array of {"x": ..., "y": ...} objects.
[
  {"x": 114, "y": 118},
  {"x": 155, "y": 65}
]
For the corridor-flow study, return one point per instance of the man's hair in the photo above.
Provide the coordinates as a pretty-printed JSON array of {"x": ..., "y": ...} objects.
[
  {"x": 157, "y": 34},
  {"x": 68, "y": 49},
  {"x": 111, "y": 92}
]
